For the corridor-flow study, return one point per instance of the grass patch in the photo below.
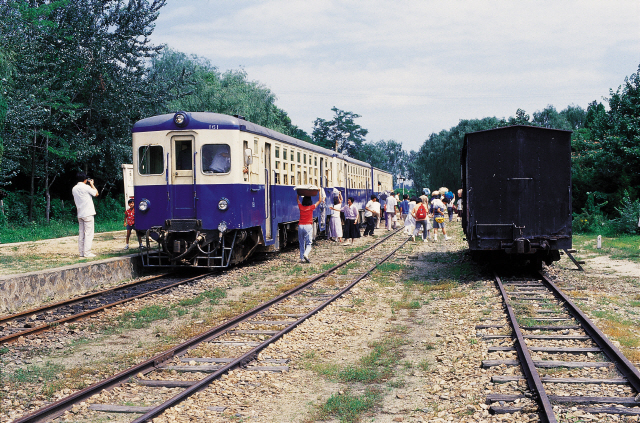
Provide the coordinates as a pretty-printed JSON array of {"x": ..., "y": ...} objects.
[
  {"x": 144, "y": 317},
  {"x": 623, "y": 247},
  {"x": 33, "y": 374},
  {"x": 348, "y": 407},
  {"x": 345, "y": 270},
  {"x": 55, "y": 229},
  {"x": 377, "y": 366}
]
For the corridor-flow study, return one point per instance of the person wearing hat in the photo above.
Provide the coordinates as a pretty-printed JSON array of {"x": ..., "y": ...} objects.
[{"x": 438, "y": 208}]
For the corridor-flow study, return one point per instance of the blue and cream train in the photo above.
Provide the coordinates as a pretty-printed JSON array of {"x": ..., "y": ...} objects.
[{"x": 211, "y": 189}]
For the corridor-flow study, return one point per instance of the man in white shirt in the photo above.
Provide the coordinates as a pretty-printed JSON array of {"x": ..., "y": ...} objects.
[
  {"x": 371, "y": 213},
  {"x": 82, "y": 194},
  {"x": 390, "y": 212}
]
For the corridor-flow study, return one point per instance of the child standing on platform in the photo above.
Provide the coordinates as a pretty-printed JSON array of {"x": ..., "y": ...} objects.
[{"x": 129, "y": 222}]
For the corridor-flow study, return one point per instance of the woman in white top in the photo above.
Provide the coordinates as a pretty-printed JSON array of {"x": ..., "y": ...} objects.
[
  {"x": 335, "y": 225},
  {"x": 410, "y": 221}
]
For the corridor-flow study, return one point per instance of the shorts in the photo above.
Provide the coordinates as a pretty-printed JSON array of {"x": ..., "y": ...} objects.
[
  {"x": 437, "y": 225},
  {"x": 131, "y": 227}
]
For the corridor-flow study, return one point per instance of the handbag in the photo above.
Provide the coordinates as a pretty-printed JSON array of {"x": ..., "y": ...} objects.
[{"x": 440, "y": 219}]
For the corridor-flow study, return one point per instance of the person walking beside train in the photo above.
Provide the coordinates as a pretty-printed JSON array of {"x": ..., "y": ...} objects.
[
  {"x": 403, "y": 207},
  {"x": 305, "y": 226},
  {"x": 437, "y": 209},
  {"x": 390, "y": 212},
  {"x": 421, "y": 215},
  {"x": 449, "y": 198},
  {"x": 82, "y": 193},
  {"x": 409, "y": 220},
  {"x": 350, "y": 221},
  {"x": 372, "y": 211},
  {"x": 335, "y": 225}
]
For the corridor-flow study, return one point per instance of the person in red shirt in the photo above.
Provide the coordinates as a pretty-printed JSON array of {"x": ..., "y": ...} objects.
[
  {"x": 305, "y": 226},
  {"x": 129, "y": 223}
]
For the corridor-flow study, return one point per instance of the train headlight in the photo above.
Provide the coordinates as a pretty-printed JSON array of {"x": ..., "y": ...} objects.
[
  {"x": 223, "y": 204},
  {"x": 144, "y": 205},
  {"x": 222, "y": 226},
  {"x": 181, "y": 119}
]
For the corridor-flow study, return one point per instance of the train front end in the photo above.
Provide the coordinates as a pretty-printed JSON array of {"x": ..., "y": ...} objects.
[{"x": 189, "y": 190}]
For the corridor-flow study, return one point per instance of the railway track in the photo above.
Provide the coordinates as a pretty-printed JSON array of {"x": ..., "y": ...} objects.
[
  {"x": 192, "y": 366},
  {"x": 567, "y": 363},
  {"x": 34, "y": 321}
]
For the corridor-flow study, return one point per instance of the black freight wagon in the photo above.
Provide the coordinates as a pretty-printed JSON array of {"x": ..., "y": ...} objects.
[{"x": 517, "y": 193}]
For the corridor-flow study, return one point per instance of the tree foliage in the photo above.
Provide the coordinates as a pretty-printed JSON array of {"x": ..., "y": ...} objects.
[
  {"x": 606, "y": 152},
  {"x": 194, "y": 84},
  {"x": 341, "y": 133}
]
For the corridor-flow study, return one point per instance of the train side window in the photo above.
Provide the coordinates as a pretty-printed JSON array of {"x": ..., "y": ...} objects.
[
  {"x": 216, "y": 158},
  {"x": 150, "y": 160}
]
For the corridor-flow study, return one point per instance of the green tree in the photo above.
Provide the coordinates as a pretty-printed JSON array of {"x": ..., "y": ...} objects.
[
  {"x": 80, "y": 81},
  {"x": 386, "y": 155},
  {"x": 341, "y": 133},
  {"x": 575, "y": 115},
  {"x": 437, "y": 162},
  {"x": 550, "y": 118},
  {"x": 194, "y": 84},
  {"x": 606, "y": 153}
]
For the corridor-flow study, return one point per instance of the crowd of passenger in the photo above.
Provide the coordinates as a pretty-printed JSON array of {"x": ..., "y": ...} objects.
[{"x": 423, "y": 216}]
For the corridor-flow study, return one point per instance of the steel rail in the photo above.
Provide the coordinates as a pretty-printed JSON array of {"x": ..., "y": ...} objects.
[
  {"x": 628, "y": 370},
  {"x": 526, "y": 362},
  {"x": 248, "y": 356},
  {"x": 59, "y": 407},
  {"x": 73, "y": 317},
  {"x": 72, "y": 301}
]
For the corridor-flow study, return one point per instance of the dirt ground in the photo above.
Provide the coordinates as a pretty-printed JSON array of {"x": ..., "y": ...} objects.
[{"x": 437, "y": 376}]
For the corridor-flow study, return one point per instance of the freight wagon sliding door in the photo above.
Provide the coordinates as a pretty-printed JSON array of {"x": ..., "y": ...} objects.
[{"x": 182, "y": 174}]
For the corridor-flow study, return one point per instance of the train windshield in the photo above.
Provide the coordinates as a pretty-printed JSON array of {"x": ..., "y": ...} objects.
[
  {"x": 150, "y": 160},
  {"x": 216, "y": 158}
]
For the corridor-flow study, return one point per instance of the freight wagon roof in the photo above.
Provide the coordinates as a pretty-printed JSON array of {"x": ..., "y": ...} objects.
[
  {"x": 507, "y": 129},
  {"x": 204, "y": 120},
  {"x": 526, "y": 127}
]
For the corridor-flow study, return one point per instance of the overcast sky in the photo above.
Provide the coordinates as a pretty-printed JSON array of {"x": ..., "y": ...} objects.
[{"x": 411, "y": 68}]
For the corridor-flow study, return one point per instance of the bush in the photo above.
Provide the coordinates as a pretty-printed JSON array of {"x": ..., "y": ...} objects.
[
  {"x": 629, "y": 212},
  {"x": 592, "y": 219},
  {"x": 16, "y": 208},
  {"x": 109, "y": 209}
]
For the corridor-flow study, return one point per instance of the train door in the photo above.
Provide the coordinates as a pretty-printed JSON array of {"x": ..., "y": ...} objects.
[
  {"x": 267, "y": 191},
  {"x": 323, "y": 206},
  {"x": 182, "y": 178}
]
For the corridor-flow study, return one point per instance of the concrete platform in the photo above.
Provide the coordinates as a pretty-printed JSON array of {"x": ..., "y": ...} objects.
[
  {"x": 29, "y": 290},
  {"x": 63, "y": 274}
]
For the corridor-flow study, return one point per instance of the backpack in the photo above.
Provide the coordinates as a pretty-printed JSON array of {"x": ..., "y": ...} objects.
[{"x": 421, "y": 213}]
